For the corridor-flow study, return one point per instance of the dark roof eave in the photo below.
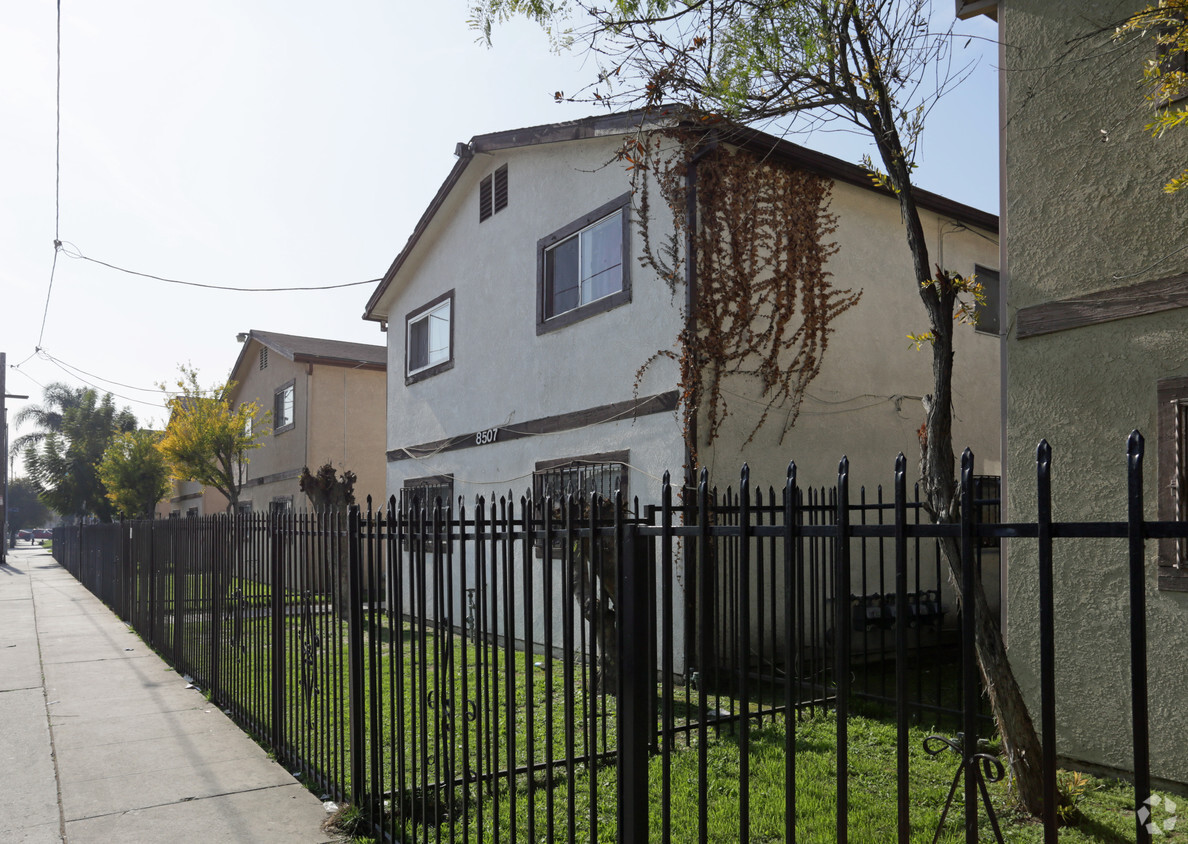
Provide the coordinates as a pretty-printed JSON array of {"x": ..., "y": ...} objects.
[
  {"x": 591, "y": 127},
  {"x": 350, "y": 363},
  {"x": 549, "y": 133},
  {"x": 844, "y": 171},
  {"x": 422, "y": 224}
]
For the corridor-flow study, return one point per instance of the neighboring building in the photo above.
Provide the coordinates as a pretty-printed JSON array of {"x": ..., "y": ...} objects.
[
  {"x": 324, "y": 403},
  {"x": 1097, "y": 281},
  {"x": 519, "y": 316},
  {"x": 190, "y": 498},
  {"x": 320, "y": 401},
  {"x": 498, "y": 378}
]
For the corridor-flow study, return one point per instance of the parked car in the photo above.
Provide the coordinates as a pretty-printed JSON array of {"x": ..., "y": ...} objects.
[
  {"x": 43, "y": 533},
  {"x": 24, "y": 534}
]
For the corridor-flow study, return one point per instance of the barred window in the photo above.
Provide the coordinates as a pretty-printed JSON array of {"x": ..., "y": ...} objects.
[
  {"x": 601, "y": 474},
  {"x": 418, "y": 493},
  {"x": 422, "y": 494}
]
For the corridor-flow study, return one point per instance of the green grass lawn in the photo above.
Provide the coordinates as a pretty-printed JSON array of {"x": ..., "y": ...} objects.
[{"x": 417, "y": 671}]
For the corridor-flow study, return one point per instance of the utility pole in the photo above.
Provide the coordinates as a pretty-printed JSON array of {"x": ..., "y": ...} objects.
[{"x": 4, "y": 464}]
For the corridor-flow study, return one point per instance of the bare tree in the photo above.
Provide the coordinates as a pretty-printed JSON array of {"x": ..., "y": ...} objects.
[{"x": 876, "y": 65}]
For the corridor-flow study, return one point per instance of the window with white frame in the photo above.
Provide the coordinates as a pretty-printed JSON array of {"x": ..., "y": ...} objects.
[
  {"x": 429, "y": 338},
  {"x": 581, "y": 267},
  {"x": 282, "y": 408}
]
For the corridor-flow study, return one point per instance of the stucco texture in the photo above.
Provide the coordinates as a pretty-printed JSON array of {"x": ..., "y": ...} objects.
[{"x": 1084, "y": 213}]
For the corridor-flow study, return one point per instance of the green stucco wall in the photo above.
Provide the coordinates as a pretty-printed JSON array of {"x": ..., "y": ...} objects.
[{"x": 1083, "y": 212}]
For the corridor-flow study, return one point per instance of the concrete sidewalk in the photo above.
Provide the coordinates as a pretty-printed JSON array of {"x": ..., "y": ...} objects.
[{"x": 100, "y": 741}]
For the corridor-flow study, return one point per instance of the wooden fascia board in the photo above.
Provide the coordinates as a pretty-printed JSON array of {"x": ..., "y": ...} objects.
[
  {"x": 1148, "y": 297},
  {"x": 346, "y": 363}
]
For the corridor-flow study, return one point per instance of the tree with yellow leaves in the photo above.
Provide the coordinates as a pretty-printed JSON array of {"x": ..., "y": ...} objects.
[
  {"x": 207, "y": 439},
  {"x": 1166, "y": 74},
  {"x": 134, "y": 473}
]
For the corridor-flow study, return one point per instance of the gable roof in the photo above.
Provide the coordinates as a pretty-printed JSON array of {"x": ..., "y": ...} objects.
[
  {"x": 627, "y": 121},
  {"x": 316, "y": 350}
]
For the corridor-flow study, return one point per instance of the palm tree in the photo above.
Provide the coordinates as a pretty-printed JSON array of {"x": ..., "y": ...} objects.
[
  {"x": 59, "y": 398},
  {"x": 63, "y": 458}
]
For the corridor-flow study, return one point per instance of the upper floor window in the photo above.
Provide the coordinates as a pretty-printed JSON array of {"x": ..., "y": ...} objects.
[
  {"x": 493, "y": 193},
  {"x": 986, "y": 315},
  {"x": 282, "y": 408},
  {"x": 582, "y": 268},
  {"x": 430, "y": 339}
]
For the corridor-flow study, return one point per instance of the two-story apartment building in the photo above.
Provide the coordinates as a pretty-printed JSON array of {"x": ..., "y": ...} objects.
[
  {"x": 323, "y": 402},
  {"x": 520, "y": 318},
  {"x": 320, "y": 401},
  {"x": 531, "y": 349}
]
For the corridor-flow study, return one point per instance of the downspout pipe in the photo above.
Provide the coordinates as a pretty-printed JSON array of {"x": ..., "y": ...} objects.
[
  {"x": 709, "y": 146},
  {"x": 689, "y": 490}
]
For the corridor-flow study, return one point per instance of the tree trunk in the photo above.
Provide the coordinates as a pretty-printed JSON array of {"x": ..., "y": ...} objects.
[
  {"x": 593, "y": 587},
  {"x": 937, "y": 467}
]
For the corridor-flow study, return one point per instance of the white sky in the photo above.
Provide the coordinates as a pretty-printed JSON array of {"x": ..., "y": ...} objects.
[{"x": 263, "y": 143}]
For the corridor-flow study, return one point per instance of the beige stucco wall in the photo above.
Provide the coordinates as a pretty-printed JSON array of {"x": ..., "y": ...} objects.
[
  {"x": 346, "y": 426},
  {"x": 865, "y": 403},
  {"x": 338, "y": 417},
  {"x": 186, "y": 494},
  {"x": 273, "y": 467},
  {"x": 1084, "y": 213}
]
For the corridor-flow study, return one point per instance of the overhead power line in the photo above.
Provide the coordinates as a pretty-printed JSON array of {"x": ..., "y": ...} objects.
[
  {"x": 72, "y": 251},
  {"x": 57, "y": 174}
]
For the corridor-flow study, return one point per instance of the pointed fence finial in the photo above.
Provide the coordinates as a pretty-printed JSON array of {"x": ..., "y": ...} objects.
[{"x": 1135, "y": 443}]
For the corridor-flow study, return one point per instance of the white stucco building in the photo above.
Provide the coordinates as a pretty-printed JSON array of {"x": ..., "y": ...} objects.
[{"x": 519, "y": 316}]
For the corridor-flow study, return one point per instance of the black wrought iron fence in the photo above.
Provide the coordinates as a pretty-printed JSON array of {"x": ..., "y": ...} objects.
[{"x": 522, "y": 671}]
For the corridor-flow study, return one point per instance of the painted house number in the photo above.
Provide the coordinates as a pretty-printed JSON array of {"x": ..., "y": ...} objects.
[{"x": 486, "y": 437}]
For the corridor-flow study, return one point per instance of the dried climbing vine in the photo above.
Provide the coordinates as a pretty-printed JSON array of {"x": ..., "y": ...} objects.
[{"x": 764, "y": 303}]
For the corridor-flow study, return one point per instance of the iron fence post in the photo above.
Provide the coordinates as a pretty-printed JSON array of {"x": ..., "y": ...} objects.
[
  {"x": 635, "y": 701},
  {"x": 121, "y": 586},
  {"x": 355, "y": 647},
  {"x": 841, "y": 657},
  {"x": 903, "y": 797},
  {"x": 1138, "y": 634},
  {"x": 969, "y": 669},
  {"x": 1047, "y": 610},
  {"x": 278, "y": 636},
  {"x": 220, "y": 549}
]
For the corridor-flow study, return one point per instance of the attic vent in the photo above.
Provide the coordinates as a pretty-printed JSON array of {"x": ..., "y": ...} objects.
[
  {"x": 501, "y": 188},
  {"x": 493, "y": 193},
  {"x": 263, "y": 357}
]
